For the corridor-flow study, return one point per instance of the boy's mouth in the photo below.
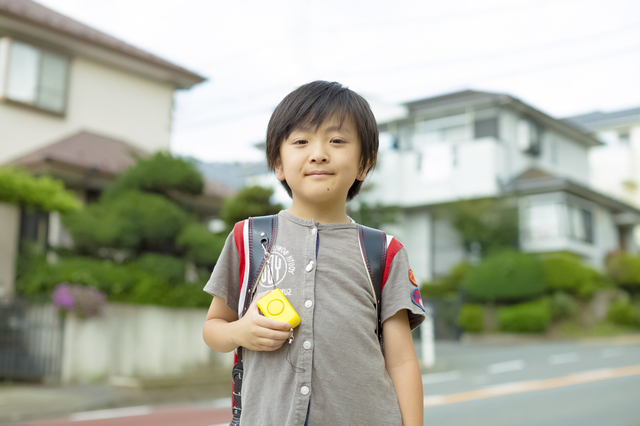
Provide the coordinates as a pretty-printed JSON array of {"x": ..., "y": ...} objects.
[{"x": 318, "y": 173}]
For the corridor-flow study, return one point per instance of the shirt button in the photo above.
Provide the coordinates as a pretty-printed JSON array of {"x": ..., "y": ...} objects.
[
  {"x": 306, "y": 344},
  {"x": 308, "y": 303},
  {"x": 310, "y": 266},
  {"x": 304, "y": 390},
  {"x": 314, "y": 230}
]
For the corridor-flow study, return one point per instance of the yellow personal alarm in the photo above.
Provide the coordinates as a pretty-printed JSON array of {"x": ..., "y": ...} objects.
[{"x": 276, "y": 306}]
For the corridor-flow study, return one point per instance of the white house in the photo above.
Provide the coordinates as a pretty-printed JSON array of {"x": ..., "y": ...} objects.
[
  {"x": 615, "y": 166},
  {"x": 75, "y": 103},
  {"x": 471, "y": 144}
]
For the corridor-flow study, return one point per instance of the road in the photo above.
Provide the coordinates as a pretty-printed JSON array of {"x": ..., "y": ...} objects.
[{"x": 591, "y": 383}]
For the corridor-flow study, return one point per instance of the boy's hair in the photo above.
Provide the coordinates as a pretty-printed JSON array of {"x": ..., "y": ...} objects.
[{"x": 312, "y": 104}]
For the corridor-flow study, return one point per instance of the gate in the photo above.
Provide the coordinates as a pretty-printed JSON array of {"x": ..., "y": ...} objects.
[{"x": 30, "y": 342}]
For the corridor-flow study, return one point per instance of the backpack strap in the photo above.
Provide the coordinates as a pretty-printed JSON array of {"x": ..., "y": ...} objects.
[
  {"x": 252, "y": 237},
  {"x": 378, "y": 250},
  {"x": 373, "y": 247}
]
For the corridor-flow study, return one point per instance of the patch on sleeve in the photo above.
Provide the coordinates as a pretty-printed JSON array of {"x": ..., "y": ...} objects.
[
  {"x": 417, "y": 298},
  {"x": 412, "y": 278}
]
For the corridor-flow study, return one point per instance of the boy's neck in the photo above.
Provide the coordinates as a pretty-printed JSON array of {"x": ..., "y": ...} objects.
[{"x": 321, "y": 213}]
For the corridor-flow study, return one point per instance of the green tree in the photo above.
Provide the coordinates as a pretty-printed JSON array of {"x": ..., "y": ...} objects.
[
  {"x": 141, "y": 213},
  {"x": 20, "y": 188},
  {"x": 249, "y": 201},
  {"x": 374, "y": 216},
  {"x": 491, "y": 222}
]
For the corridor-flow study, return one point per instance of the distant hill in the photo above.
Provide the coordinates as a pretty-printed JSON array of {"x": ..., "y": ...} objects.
[{"x": 234, "y": 175}]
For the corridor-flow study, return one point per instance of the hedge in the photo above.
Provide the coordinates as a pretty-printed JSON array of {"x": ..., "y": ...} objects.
[
  {"x": 152, "y": 280},
  {"x": 532, "y": 317},
  {"x": 505, "y": 276},
  {"x": 624, "y": 313},
  {"x": 471, "y": 318}
]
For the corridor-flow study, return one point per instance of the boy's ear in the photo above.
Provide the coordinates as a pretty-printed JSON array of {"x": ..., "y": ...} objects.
[
  {"x": 279, "y": 170},
  {"x": 363, "y": 173}
]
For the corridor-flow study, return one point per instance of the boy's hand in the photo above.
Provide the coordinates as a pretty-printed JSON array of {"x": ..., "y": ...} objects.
[{"x": 259, "y": 333}]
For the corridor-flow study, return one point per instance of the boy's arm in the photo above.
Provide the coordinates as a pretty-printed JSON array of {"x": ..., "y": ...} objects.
[
  {"x": 223, "y": 331},
  {"x": 402, "y": 364}
]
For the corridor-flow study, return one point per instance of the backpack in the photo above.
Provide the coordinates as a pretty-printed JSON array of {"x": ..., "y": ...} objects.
[{"x": 254, "y": 238}]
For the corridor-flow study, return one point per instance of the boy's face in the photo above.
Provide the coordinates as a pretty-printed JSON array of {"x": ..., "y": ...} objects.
[{"x": 320, "y": 165}]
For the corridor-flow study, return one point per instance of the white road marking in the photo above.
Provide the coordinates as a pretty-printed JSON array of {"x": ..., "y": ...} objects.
[
  {"x": 505, "y": 367},
  {"x": 446, "y": 376},
  {"x": 110, "y": 414},
  {"x": 564, "y": 358},
  {"x": 611, "y": 352}
]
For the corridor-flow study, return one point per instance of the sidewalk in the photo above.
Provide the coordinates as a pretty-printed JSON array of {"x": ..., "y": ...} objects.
[{"x": 19, "y": 401}]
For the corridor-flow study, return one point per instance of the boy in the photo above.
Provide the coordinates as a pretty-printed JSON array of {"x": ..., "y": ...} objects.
[{"x": 322, "y": 140}]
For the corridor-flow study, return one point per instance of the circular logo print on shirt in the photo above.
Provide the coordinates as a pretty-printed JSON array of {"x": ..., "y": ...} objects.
[
  {"x": 275, "y": 270},
  {"x": 412, "y": 278}
]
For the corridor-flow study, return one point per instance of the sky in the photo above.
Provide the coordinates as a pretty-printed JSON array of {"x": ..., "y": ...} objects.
[{"x": 564, "y": 57}]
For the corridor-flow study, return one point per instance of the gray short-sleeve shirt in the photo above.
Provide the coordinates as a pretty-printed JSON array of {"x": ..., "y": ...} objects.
[{"x": 334, "y": 367}]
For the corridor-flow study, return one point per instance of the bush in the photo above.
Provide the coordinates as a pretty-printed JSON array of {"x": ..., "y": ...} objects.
[
  {"x": 505, "y": 276},
  {"x": 201, "y": 245},
  {"x": 471, "y": 318},
  {"x": 563, "y": 306},
  {"x": 127, "y": 283},
  {"x": 565, "y": 272},
  {"x": 623, "y": 268},
  {"x": 624, "y": 313},
  {"x": 172, "y": 269},
  {"x": 532, "y": 317},
  {"x": 447, "y": 284},
  {"x": 20, "y": 188}
]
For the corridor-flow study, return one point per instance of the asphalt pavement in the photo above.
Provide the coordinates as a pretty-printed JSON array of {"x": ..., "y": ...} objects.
[{"x": 468, "y": 373}]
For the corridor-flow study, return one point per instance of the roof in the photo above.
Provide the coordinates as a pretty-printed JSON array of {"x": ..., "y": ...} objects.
[
  {"x": 88, "y": 160},
  {"x": 598, "y": 120},
  {"x": 456, "y": 101},
  {"x": 36, "y": 14},
  {"x": 87, "y": 150},
  {"x": 534, "y": 181}
]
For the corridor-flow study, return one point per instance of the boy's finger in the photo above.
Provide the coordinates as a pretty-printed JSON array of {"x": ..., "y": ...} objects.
[
  {"x": 273, "y": 324},
  {"x": 260, "y": 296}
]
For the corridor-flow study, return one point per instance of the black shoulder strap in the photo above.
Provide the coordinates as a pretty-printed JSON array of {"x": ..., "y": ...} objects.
[
  {"x": 373, "y": 244},
  {"x": 262, "y": 234}
]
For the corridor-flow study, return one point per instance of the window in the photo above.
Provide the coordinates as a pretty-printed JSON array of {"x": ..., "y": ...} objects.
[
  {"x": 624, "y": 137},
  {"x": 542, "y": 221},
  {"x": 529, "y": 137},
  {"x": 580, "y": 224},
  {"x": 36, "y": 77},
  {"x": 486, "y": 128},
  {"x": 454, "y": 128}
]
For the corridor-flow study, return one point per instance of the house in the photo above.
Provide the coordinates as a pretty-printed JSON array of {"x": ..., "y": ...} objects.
[
  {"x": 77, "y": 103},
  {"x": 615, "y": 165},
  {"x": 472, "y": 144}
]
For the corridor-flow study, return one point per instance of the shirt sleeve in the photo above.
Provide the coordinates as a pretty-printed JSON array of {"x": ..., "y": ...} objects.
[
  {"x": 224, "y": 281},
  {"x": 401, "y": 291}
]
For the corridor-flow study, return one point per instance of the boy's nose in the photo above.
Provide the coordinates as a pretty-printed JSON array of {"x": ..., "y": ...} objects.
[{"x": 319, "y": 156}]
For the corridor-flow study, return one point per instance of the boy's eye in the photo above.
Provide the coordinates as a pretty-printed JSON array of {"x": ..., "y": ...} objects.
[
  {"x": 337, "y": 141},
  {"x": 299, "y": 142}
]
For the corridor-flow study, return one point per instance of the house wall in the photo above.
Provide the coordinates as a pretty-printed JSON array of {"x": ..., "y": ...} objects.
[
  {"x": 101, "y": 99},
  {"x": 558, "y": 155},
  {"x": 605, "y": 231},
  {"x": 10, "y": 220},
  {"x": 403, "y": 178},
  {"x": 138, "y": 341}
]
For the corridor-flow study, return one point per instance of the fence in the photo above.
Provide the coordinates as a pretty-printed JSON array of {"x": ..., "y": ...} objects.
[{"x": 30, "y": 342}]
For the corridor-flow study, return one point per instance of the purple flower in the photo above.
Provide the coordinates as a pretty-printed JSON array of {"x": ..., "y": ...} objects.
[
  {"x": 86, "y": 302},
  {"x": 61, "y": 297}
]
